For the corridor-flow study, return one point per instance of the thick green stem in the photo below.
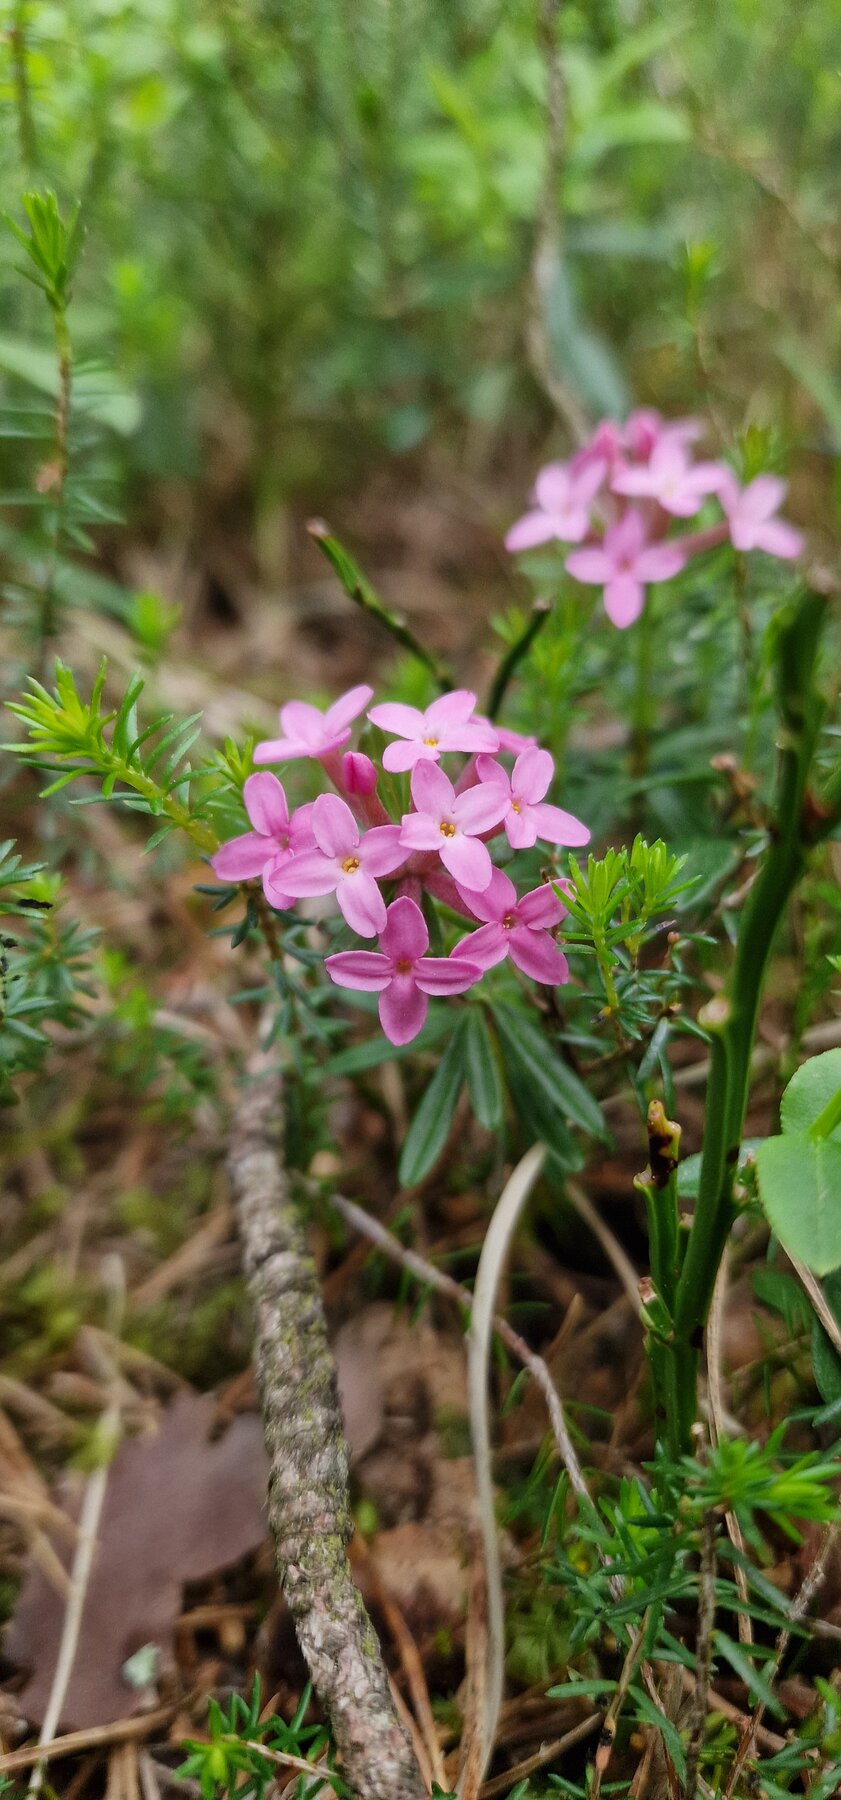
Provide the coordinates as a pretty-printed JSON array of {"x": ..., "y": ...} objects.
[{"x": 732, "y": 1017}]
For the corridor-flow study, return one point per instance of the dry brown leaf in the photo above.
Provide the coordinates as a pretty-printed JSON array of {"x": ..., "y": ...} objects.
[{"x": 180, "y": 1505}]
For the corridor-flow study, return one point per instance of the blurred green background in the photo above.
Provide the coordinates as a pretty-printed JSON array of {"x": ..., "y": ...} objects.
[{"x": 340, "y": 255}]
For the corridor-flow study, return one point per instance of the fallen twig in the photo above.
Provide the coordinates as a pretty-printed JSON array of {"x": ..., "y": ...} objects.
[{"x": 308, "y": 1504}]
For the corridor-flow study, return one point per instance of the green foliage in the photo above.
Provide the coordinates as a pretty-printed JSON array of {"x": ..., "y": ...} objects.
[
  {"x": 799, "y": 1173},
  {"x": 52, "y": 245},
  {"x": 45, "y": 967},
  {"x": 144, "y": 768},
  {"x": 244, "y": 1754}
]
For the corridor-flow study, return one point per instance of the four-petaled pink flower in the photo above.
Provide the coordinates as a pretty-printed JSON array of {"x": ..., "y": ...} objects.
[
  {"x": 266, "y": 850},
  {"x": 527, "y": 816},
  {"x": 669, "y": 477},
  {"x": 451, "y": 823},
  {"x": 347, "y": 863},
  {"x": 623, "y": 564},
  {"x": 515, "y": 928},
  {"x": 310, "y": 732},
  {"x": 564, "y": 496},
  {"x": 401, "y": 972},
  {"x": 448, "y": 724},
  {"x": 750, "y": 515}
]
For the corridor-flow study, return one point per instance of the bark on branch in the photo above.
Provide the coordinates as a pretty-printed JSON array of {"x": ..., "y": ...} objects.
[{"x": 308, "y": 1505}]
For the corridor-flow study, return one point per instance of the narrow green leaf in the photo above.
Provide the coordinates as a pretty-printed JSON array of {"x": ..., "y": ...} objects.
[
  {"x": 427, "y": 1134},
  {"x": 558, "y": 1084},
  {"x": 747, "y": 1672},
  {"x": 482, "y": 1073}
]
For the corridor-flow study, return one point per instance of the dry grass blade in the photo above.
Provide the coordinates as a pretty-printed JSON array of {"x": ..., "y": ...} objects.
[
  {"x": 481, "y": 1728},
  {"x": 501, "y": 1784}
]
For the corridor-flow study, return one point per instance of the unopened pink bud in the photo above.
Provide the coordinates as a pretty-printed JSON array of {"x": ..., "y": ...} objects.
[{"x": 358, "y": 773}]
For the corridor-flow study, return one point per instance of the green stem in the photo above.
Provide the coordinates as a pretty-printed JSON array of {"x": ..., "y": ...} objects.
[
  {"x": 643, "y": 710},
  {"x": 48, "y": 621},
  {"x": 358, "y": 588},
  {"x": 514, "y": 656},
  {"x": 27, "y": 138},
  {"x": 827, "y": 1120},
  {"x": 732, "y": 1017}
]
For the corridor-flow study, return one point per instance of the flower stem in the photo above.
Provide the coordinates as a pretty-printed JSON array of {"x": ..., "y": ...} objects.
[{"x": 731, "y": 1018}]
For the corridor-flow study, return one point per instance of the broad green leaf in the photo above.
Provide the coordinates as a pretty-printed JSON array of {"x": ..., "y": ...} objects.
[
  {"x": 800, "y": 1189},
  {"x": 482, "y": 1073},
  {"x": 526, "y": 1045},
  {"x": 811, "y": 1087},
  {"x": 427, "y": 1134}
]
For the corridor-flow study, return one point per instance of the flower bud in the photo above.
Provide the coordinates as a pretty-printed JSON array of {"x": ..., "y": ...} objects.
[{"x": 359, "y": 775}]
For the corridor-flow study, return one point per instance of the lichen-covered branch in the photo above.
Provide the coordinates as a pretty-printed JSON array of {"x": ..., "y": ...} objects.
[{"x": 308, "y": 1505}]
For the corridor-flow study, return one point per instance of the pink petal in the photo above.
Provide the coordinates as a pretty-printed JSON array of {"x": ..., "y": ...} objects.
[
  {"x": 403, "y": 1009},
  {"x": 405, "y": 936},
  {"x": 243, "y": 857},
  {"x": 265, "y": 804},
  {"x": 476, "y": 735},
  {"x": 494, "y": 901},
  {"x": 623, "y": 600},
  {"x": 334, "y": 827},
  {"x": 779, "y": 539},
  {"x": 638, "y": 481},
  {"x": 404, "y": 753},
  {"x": 446, "y": 974},
  {"x": 659, "y": 562},
  {"x": 300, "y": 828},
  {"x": 363, "y": 969},
  {"x": 558, "y": 827},
  {"x": 280, "y": 750},
  {"x": 303, "y": 723},
  {"x": 587, "y": 480},
  {"x": 432, "y": 792},
  {"x": 467, "y": 860},
  {"x": 273, "y": 886},
  {"x": 537, "y": 955},
  {"x": 532, "y": 775},
  {"x": 362, "y": 904},
  {"x": 532, "y": 529},
  {"x": 541, "y": 907},
  {"x": 521, "y": 827},
  {"x": 347, "y": 707},
  {"x": 485, "y": 947},
  {"x": 480, "y": 808},
  {"x": 762, "y": 497},
  {"x": 513, "y": 742},
  {"x": 551, "y": 489},
  {"x": 590, "y": 565},
  {"x": 405, "y": 720},
  {"x": 310, "y": 873},
  {"x": 380, "y": 850},
  {"x": 451, "y": 709},
  {"x": 419, "y": 832},
  {"x": 488, "y": 770}
]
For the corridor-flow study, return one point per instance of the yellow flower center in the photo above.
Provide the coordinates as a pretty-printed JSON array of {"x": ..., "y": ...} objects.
[
  {"x": 515, "y": 806},
  {"x": 350, "y": 865},
  {"x": 403, "y": 967},
  {"x": 431, "y": 742},
  {"x": 509, "y": 921},
  {"x": 447, "y": 828}
]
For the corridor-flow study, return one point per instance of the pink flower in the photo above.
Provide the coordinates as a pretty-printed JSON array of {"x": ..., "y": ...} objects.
[
  {"x": 645, "y": 429},
  {"x": 401, "y": 972},
  {"x": 564, "y": 496},
  {"x": 515, "y": 928},
  {"x": 346, "y": 863},
  {"x": 750, "y": 513},
  {"x": 450, "y": 823},
  {"x": 269, "y": 848},
  {"x": 310, "y": 732},
  {"x": 527, "y": 816},
  {"x": 623, "y": 563},
  {"x": 448, "y": 724},
  {"x": 512, "y": 742},
  {"x": 669, "y": 477}
]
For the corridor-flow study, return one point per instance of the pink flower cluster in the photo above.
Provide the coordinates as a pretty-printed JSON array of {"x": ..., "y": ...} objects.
[
  {"x": 344, "y": 843},
  {"x": 619, "y": 496}
]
